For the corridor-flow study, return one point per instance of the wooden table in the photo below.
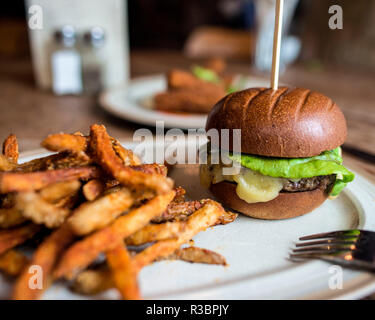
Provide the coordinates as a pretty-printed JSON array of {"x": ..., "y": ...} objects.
[{"x": 32, "y": 114}]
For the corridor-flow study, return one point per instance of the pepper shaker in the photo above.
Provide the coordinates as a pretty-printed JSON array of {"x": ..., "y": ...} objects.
[{"x": 93, "y": 60}]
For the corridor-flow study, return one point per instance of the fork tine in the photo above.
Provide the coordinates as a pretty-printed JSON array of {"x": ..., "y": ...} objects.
[
  {"x": 333, "y": 234},
  {"x": 313, "y": 256},
  {"x": 301, "y": 256},
  {"x": 321, "y": 242},
  {"x": 317, "y": 254},
  {"x": 325, "y": 248}
]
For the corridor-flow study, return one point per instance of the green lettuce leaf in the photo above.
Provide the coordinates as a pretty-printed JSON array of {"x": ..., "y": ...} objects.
[
  {"x": 205, "y": 74},
  {"x": 232, "y": 89},
  {"x": 327, "y": 163},
  {"x": 211, "y": 76}
]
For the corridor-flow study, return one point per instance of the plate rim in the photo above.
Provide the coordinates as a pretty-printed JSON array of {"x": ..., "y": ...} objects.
[
  {"x": 360, "y": 285},
  {"x": 170, "y": 120}
]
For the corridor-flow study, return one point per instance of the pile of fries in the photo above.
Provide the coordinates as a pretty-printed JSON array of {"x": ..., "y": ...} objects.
[{"x": 90, "y": 200}]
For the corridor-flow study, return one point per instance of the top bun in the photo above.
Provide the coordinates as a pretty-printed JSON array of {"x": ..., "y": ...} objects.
[{"x": 288, "y": 122}]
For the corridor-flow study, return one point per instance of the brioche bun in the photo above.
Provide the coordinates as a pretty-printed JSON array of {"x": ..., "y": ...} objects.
[
  {"x": 288, "y": 122},
  {"x": 286, "y": 205}
]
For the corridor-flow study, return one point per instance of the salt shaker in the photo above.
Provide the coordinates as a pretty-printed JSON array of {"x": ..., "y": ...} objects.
[{"x": 66, "y": 66}]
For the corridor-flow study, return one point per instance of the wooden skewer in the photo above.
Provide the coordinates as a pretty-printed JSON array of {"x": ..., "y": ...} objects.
[{"x": 277, "y": 44}]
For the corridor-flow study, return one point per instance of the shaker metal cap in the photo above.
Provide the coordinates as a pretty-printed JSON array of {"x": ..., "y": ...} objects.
[
  {"x": 94, "y": 37},
  {"x": 67, "y": 35}
]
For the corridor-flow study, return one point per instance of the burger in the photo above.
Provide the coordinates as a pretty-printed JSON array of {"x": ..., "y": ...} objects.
[{"x": 290, "y": 159}]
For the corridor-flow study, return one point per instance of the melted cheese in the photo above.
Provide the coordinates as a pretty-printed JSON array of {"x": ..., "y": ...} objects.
[
  {"x": 255, "y": 187},
  {"x": 251, "y": 186}
]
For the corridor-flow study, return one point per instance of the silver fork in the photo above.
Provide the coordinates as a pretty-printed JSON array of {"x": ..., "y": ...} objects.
[{"x": 350, "y": 248}]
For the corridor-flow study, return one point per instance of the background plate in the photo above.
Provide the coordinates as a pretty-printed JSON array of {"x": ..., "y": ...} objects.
[{"x": 133, "y": 102}]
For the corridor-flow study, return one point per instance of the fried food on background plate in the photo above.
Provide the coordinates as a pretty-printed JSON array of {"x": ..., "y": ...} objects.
[
  {"x": 188, "y": 100},
  {"x": 195, "y": 91}
]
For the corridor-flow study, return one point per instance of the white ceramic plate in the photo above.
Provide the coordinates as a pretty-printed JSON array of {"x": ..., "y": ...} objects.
[
  {"x": 257, "y": 253},
  {"x": 134, "y": 102}
]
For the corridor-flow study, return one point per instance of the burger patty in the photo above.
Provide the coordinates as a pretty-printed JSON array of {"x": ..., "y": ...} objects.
[{"x": 308, "y": 184}]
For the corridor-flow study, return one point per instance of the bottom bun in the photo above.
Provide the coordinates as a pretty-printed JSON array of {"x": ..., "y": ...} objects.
[{"x": 285, "y": 206}]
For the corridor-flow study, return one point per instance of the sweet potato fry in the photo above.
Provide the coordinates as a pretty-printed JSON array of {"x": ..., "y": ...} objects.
[
  {"x": 97, "y": 214},
  {"x": 83, "y": 252},
  {"x": 142, "y": 197},
  {"x": 10, "y": 148},
  {"x": 45, "y": 257},
  {"x": 65, "y": 142},
  {"x": 96, "y": 187},
  {"x": 111, "y": 183},
  {"x": 7, "y": 201},
  {"x": 12, "y": 262},
  {"x": 127, "y": 156},
  {"x": 179, "y": 211},
  {"x": 106, "y": 157},
  {"x": 44, "y": 163},
  {"x": 197, "y": 255},
  {"x": 68, "y": 202},
  {"x": 154, "y": 232},
  {"x": 93, "y": 189},
  {"x": 153, "y": 168},
  {"x": 41, "y": 164},
  {"x": 227, "y": 217},
  {"x": 6, "y": 164},
  {"x": 33, "y": 207},
  {"x": 123, "y": 272},
  {"x": 60, "y": 190},
  {"x": 53, "y": 162},
  {"x": 92, "y": 282},
  {"x": 77, "y": 143},
  {"x": 13, "y": 237},
  {"x": 18, "y": 182},
  {"x": 201, "y": 219},
  {"x": 180, "y": 194},
  {"x": 10, "y": 218}
]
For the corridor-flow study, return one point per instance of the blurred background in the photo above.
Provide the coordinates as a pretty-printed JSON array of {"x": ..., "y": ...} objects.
[
  {"x": 67, "y": 64},
  {"x": 172, "y": 25},
  {"x": 57, "y": 57},
  {"x": 181, "y": 22}
]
